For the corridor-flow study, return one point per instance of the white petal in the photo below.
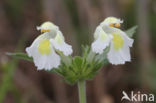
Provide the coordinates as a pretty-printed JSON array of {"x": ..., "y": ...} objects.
[
  {"x": 60, "y": 45},
  {"x": 128, "y": 39},
  {"x": 46, "y": 62},
  {"x": 111, "y": 30},
  {"x": 100, "y": 43},
  {"x": 64, "y": 47},
  {"x": 34, "y": 44},
  {"x": 119, "y": 56},
  {"x": 98, "y": 46},
  {"x": 97, "y": 32}
]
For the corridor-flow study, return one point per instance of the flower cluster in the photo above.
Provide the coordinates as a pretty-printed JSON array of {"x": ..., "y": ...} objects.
[{"x": 49, "y": 51}]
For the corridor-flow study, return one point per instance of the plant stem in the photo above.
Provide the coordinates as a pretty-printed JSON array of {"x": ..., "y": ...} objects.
[{"x": 82, "y": 91}]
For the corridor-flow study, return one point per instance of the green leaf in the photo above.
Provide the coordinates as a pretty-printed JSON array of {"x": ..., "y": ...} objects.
[
  {"x": 20, "y": 56},
  {"x": 85, "y": 50},
  {"x": 130, "y": 32}
]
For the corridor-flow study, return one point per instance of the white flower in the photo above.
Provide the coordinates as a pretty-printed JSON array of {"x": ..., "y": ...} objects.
[
  {"x": 118, "y": 41},
  {"x": 43, "y": 48}
]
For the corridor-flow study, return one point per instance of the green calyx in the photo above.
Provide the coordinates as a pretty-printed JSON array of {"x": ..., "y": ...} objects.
[{"x": 81, "y": 68}]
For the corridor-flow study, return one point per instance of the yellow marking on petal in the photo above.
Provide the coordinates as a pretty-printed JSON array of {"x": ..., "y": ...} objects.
[
  {"x": 111, "y": 25},
  {"x": 44, "y": 30},
  {"x": 118, "y": 41},
  {"x": 117, "y": 25},
  {"x": 58, "y": 39},
  {"x": 44, "y": 47}
]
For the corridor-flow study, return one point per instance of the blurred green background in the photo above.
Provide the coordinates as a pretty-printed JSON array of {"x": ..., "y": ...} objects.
[{"x": 21, "y": 82}]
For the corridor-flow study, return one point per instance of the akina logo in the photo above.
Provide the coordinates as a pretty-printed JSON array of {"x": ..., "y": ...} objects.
[{"x": 137, "y": 97}]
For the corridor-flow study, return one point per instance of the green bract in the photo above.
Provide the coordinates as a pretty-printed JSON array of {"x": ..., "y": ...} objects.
[{"x": 81, "y": 68}]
